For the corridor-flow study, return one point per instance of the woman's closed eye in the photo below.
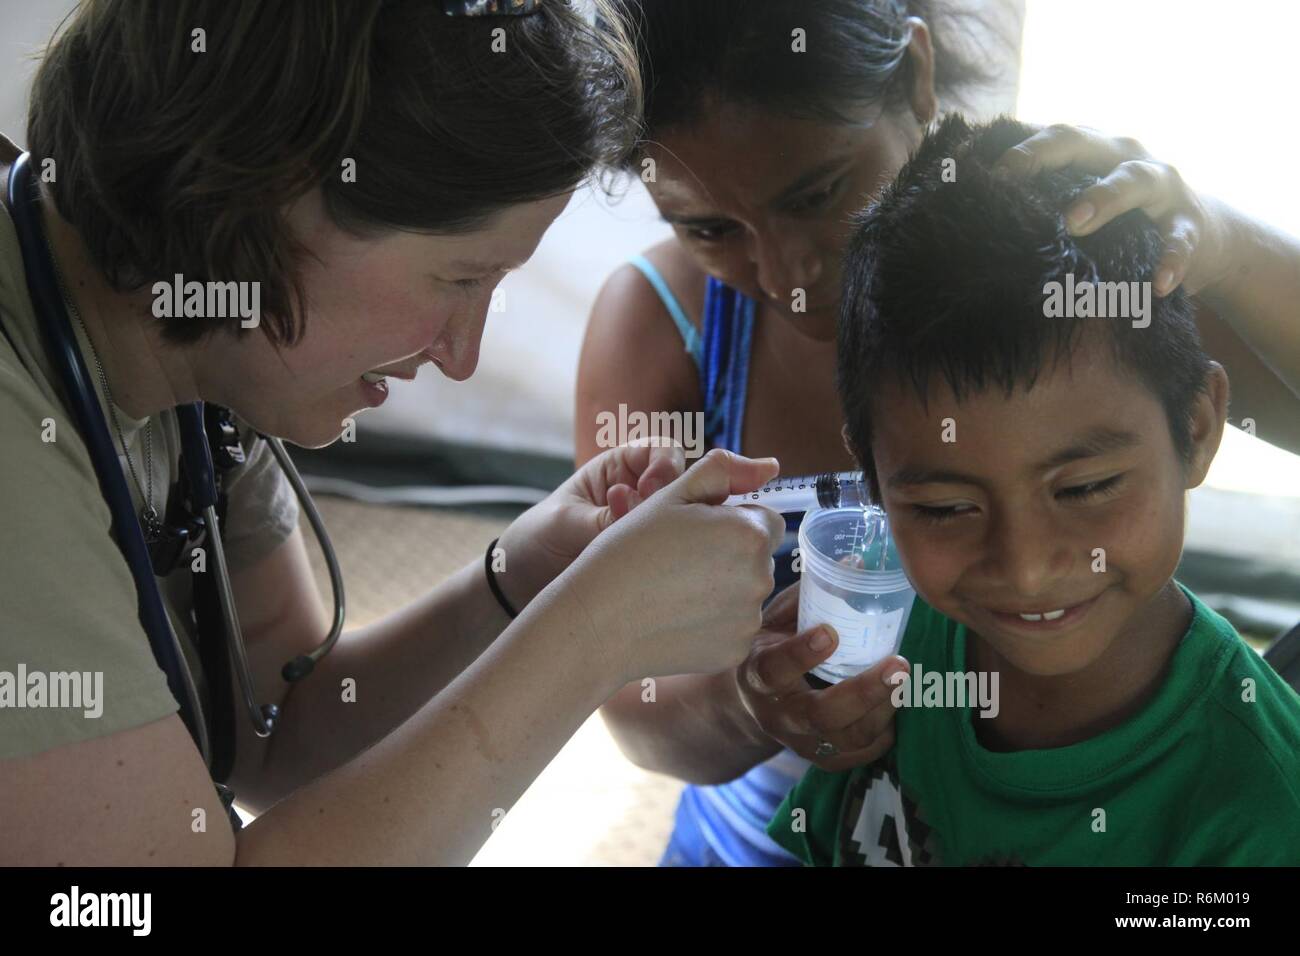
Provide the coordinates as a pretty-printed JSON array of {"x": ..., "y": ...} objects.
[
  {"x": 465, "y": 285},
  {"x": 819, "y": 199},
  {"x": 713, "y": 232}
]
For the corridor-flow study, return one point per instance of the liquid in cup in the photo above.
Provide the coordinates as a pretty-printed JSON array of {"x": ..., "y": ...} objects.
[{"x": 852, "y": 578}]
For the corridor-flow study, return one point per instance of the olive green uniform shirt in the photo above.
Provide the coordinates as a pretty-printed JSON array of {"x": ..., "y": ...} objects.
[{"x": 67, "y": 598}]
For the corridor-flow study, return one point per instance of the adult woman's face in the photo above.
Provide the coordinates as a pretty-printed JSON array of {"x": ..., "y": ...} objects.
[
  {"x": 763, "y": 201},
  {"x": 388, "y": 304}
]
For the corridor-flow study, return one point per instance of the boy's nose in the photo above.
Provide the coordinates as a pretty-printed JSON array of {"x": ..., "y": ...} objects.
[{"x": 1029, "y": 555}]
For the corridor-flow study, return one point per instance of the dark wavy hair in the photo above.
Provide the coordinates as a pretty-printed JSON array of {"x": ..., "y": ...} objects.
[
  {"x": 170, "y": 160},
  {"x": 741, "y": 52}
]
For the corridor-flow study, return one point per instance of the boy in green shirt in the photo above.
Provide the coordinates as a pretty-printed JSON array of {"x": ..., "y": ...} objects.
[{"x": 1031, "y": 418}]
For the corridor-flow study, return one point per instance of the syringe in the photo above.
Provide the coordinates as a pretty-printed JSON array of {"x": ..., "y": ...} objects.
[{"x": 845, "y": 489}]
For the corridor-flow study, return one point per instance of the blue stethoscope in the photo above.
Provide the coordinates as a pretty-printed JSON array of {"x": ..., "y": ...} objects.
[{"x": 197, "y": 518}]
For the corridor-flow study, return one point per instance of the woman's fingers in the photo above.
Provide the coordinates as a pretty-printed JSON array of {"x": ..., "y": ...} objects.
[
  {"x": 782, "y": 612},
  {"x": 848, "y": 759},
  {"x": 1182, "y": 239},
  {"x": 663, "y": 465},
  {"x": 1130, "y": 179},
  {"x": 854, "y": 712},
  {"x": 1159, "y": 192},
  {"x": 658, "y": 463},
  {"x": 722, "y": 473},
  {"x": 852, "y": 715},
  {"x": 621, "y": 499},
  {"x": 776, "y": 670},
  {"x": 1054, "y": 147},
  {"x": 1153, "y": 187}
]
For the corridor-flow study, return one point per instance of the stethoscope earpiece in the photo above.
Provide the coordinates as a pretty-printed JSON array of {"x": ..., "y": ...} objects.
[{"x": 297, "y": 669}]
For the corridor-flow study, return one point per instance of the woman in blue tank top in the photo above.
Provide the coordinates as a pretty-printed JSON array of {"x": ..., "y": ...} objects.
[{"x": 768, "y": 125}]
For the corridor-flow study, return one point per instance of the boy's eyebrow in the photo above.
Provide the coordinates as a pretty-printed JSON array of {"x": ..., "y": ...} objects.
[
  {"x": 929, "y": 476},
  {"x": 1097, "y": 441}
]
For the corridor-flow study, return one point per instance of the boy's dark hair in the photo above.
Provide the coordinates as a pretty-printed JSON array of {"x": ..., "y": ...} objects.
[
  {"x": 945, "y": 275},
  {"x": 173, "y": 160},
  {"x": 742, "y": 52}
]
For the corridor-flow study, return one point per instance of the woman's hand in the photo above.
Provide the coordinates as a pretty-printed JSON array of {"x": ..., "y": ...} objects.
[
  {"x": 1199, "y": 248},
  {"x": 677, "y": 586},
  {"x": 544, "y": 540},
  {"x": 855, "y": 715}
]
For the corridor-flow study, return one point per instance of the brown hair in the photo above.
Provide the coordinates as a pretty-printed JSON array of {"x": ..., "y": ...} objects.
[{"x": 170, "y": 160}]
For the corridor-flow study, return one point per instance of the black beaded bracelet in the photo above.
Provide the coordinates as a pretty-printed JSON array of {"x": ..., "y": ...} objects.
[{"x": 492, "y": 581}]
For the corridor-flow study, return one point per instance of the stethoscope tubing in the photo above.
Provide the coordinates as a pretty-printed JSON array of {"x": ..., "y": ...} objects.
[{"x": 60, "y": 341}]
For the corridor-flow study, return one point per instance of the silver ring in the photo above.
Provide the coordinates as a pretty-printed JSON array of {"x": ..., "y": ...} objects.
[{"x": 825, "y": 748}]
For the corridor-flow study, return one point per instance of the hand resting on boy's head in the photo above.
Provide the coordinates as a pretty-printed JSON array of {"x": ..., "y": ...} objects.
[
  {"x": 855, "y": 715},
  {"x": 1131, "y": 178}
]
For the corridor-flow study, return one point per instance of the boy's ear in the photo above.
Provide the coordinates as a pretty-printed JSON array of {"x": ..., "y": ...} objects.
[{"x": 1209, "y": 414}]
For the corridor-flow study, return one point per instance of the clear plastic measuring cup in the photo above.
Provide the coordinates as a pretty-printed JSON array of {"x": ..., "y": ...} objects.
[{"x": 852, "y": 579}]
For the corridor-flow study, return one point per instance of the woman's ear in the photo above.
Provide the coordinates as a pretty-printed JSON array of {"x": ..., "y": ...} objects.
[
  {"x": 1209, "y": 414},
  {"x": 924, "y": 101},
  {"x": 848, "y": 444}
]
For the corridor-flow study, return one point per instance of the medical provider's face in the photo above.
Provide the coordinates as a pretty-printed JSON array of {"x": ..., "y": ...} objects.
[
  {"x": 763, "y": 201},
  {"x": 1006, "y": 519},
  {"x": 390, "y": 305}
]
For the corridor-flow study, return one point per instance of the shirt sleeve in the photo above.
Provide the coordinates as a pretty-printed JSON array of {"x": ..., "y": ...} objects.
[
  {"x": 70, "y": 627},
  {"x": 261, "y": 508}
]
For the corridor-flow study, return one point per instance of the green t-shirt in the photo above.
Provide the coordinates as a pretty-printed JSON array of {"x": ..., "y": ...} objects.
[{"x": 1205, "y": 774}]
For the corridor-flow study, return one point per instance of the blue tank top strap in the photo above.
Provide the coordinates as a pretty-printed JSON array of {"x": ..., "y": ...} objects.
[
  {"x": 690, "y": 337},
  {"x": 724, "y": 373},
  {"x": 725, "y": 825}
]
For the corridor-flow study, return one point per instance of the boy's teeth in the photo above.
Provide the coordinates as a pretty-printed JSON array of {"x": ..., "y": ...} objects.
[
  {"x": 1045, "y": 616},
  {"x": 372, "y": 377}
]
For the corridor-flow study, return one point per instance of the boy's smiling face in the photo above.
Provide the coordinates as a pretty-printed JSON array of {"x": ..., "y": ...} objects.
[{"x": 1006, "y": 520}]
